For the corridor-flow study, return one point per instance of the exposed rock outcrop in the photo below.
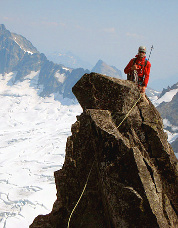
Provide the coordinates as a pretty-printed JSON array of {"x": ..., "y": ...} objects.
[{"x": 133, "y": 181}]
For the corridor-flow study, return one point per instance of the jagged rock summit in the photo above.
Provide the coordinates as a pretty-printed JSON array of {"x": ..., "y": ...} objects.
[{"x": 133, "y": 179}]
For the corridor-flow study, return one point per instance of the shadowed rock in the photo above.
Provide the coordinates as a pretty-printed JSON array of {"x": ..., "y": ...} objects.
[{"x": 133, "y": 181}]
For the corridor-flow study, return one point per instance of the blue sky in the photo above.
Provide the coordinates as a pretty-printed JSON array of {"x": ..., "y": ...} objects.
[{"x": 111, "y": 30}]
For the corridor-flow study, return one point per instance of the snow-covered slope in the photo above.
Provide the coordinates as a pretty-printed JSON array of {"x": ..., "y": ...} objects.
[
  {"x": 167, "y": 105},
  {"x": 152, "y": 94},
  {"x": 18, "y": 55},
  {"x": 33, "y": 133},
  {"x": 167, "y": 97}
]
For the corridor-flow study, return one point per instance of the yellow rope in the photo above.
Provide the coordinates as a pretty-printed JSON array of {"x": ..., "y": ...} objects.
[
  {"x": 80, "y": 196},
  {"x": 92, "y": 167},
  {"x": 129, "y": 111}
]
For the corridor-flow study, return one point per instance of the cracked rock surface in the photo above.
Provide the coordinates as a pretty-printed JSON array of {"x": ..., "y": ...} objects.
[{"x": 133, "y": 181}]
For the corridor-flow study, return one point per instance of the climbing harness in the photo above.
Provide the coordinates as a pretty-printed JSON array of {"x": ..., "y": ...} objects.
[
  {"x": 133, "y": 76},
  {"x": 68, "y": 225},
  {"x": 150, "y": 52}
]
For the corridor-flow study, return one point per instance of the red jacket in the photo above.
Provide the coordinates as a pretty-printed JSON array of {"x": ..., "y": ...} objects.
[{"x": 143, "y": 71}]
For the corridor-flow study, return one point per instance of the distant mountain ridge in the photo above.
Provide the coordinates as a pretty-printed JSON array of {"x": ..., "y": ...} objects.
[
  {"x": 24, "y": 44},
  {"x": 168, "y": 104},
  {"x": 102, "y": 68},
  {"x": 18, "y": 55},
  {"x": 68, "y": 59},
  {"x": 73, "y": 61},
  {"x": 175, "y": 86}
]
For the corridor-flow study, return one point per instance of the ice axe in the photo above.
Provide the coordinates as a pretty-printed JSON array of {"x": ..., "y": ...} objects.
[{"x": 150, "y": 52}]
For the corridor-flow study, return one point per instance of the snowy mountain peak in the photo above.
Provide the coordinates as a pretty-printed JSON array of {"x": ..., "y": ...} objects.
[
  {"x": 100, "y": 62},
  {"x": 167, "y": 105},
  {"x": 102, "y": 68},
  {"x": 167, "y": 94},
  {"x": 24, "y": 44},
  {"x": 2, "y": 27},
  {"x": 7, "y": 39},
  {"x": 175, "y": 86},
  {"x": 18, "y": 55},
  {"x": 13, "y": 50}
]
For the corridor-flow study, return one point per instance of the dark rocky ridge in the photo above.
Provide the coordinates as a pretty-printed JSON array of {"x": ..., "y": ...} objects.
[
  {"x": 133, "y": 182},
  {"x": 175, "y": 86},
  {"x": 18, "y": 55}
]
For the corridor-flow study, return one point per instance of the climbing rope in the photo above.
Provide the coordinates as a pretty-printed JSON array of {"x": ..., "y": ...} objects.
[
  {"x": 129, "y": 111},
  {"x": 68, "y": 225},
  {"x": 80, "y": 196}
]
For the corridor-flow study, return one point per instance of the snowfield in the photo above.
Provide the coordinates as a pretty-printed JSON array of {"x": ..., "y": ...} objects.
[
  {"x": 33, "y": 134},
  {"x": 167, "y": 97}
]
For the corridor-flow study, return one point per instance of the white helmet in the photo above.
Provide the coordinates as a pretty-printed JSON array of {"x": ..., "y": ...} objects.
[{"x": 142, "y": 49}]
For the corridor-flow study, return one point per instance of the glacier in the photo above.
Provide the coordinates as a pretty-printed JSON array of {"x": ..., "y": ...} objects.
[
  {"x": 33, "y": 134},
  {"x": 167, "y": 97}
]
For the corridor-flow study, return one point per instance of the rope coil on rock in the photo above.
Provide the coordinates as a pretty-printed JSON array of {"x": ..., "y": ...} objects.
[{"x": 68, "y": 224}]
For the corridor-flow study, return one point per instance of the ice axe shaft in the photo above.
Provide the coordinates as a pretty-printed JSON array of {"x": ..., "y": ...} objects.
[{"x": 150, "y": 52}]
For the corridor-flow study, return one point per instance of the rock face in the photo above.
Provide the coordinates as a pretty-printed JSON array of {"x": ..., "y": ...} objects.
[{"x": 133, "y": 179}]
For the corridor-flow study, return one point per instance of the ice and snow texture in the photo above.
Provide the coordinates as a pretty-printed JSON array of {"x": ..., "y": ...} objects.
[
  {"x": 60, "y": 77},
  {"x": 29, "y": 52},
  {"x": 171, "y": 135},
  {"x": 33, "y": 134},
  {"x": 167, "y": 97}
]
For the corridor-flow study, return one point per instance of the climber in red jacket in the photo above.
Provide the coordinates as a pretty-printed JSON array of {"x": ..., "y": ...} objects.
[{"x": 138, "y": 69}]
